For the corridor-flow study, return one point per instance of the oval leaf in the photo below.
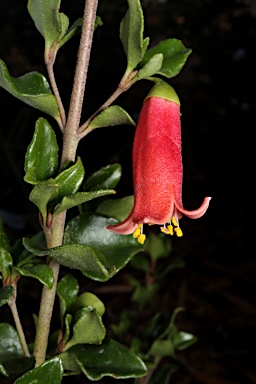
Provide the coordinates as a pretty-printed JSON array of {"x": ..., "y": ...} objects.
[
  {"x": 117, "y": 208},
  {"x": 91, "y": 229},
  {"x": 131, "y": 34},
  {"x": 152, "y": 67},
  {"x": 41, "y": 272},
  {"x": 175, "y": 56},
  {"x": 79, "y": 198},
  {"x": 41, "y": 161},
  {"x": 111, "y": 116},
  {"x": 109, "y": 359},
  {"x": 31, "y": 88},
  {"x": 89, "y": 329},
  {"x": 42, "y": 194},
  {"x": 48, "y": 20},
  {"x": 5, "y": 262},
  {"x": 4, "y": 240},
  {"x": 10, "y": 347},
  {"x": 5, "y": 294},
  {"x": 104, "y": 178},
  {"x": 88, "y": 299},
  {"x": 67, "y": 291},
  {"x": 70, "y": 179},
  {"x": 49, "y": 372}
]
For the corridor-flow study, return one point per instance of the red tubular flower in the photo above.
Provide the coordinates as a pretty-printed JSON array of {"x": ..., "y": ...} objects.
[{"x": 157, "y": 168}]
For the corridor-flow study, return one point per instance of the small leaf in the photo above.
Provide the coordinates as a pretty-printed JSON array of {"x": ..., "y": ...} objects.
[
  {"x": 89, "y": 299},
  {"x": 41, "y": 272},
  {"x": 183, "y": 340},
  {"x": 31, "y": 88},
  {"x": 42, "y": 194},
  {"x": 69, "y": 364},
  {"x": 109, "y": 359},
  {"x": 48, "y": 20},
  {"x": 131, "y": 34},
  {"x": 111, "y": 116},
  {"x": 4, "y": 240},
  {"x": 118, "y": 208},
  {"x": 67, "y": 291},
  {"x": 79, "y": 198},
  {"x": 41, "y": 162},
  {"x": 152, "y": 67},
  {"x": 175, "y": 56},
  {"x": 10, "y": 347},
  {"x": 5, "y": 294},
  {"x": 49, "y": 372},
  {"x": 105, "y": 178},
  {"x": 88, "y": 329},
  {"x": 158, "y": 246},
  {"x": 162, "y": 348},
  {"x": 70, "y": 179},
  {"x": 75, "y": 29},
  {"x": 5, "y": 262}
]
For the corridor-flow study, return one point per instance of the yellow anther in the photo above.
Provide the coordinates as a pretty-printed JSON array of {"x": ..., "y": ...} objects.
[
  {"x": 164, "y": 230},
  {"x": 174, "y": 221},
  {"x": 141, "y": 238},
  {"x": 170, "y": 229},
  {"x": 136, "y": 233},
  {"x": 178, "y": 231}
]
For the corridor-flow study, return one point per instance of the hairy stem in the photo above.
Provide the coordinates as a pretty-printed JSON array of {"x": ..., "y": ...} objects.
[
  {"x": 70, "y": 140},
  {"x": 15, "y": 314},
  {"x": 54, "y": 231}
]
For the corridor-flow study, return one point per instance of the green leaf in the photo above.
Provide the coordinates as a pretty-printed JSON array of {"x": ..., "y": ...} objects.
[
  {"x": 88, "y": 329},
  {"x": 5, "y": 294},
  {"x": 183, "y": 340},
  {"x": 131, "y": 34},
  {"x": 75, "y": 256},
  {"x": 75, "y": 29},
  {"x": 67, "y": 291},
  {"x": 175, "y": 56},
  {"x": 31, "y": 88},
  {"x": 105, "y": 178},
  {"x": 5, "y": 263},
  {"x": 70, "y": 179},
  {"x": 90, "y": 229},
  {"x": 42, "y": 194},
  {"x": 41, "y": 161},
  {"x": 109, "y": 359},
  {"x": 48, "y": 20},
  {"x": 161, "y": 348},
  {"x": 158, "y": 246},
  {"x": 4, "y": 240},
  {"x": 118, "y": 208},
  {"x": 111, "y": 116},
  {"x": 152, "y": 67},
  {"x": 41, "y": 272},
  {"x": 10, "y": 347},
  {"x": 70, "y": 365},
  {"x": 49, "y": 372},
  {"x": 88, "y": 299},
  {"x": 79, "y": 198}
]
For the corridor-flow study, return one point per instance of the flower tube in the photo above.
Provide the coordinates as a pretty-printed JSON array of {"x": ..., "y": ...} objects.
[{"x": 157, "y": 168}]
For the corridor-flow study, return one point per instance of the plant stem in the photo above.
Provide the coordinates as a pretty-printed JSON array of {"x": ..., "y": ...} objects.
[
  {"x": 54, "y": 233},
  {"x": 13, "y": 307},
  {"x": 70, "y": 140}
]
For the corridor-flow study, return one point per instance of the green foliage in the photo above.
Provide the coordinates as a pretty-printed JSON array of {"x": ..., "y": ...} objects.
[
  {"x": 111, "y": 116},
  {"x": 131, "y": 34},
  {"x": 12, "y": 360},
  {"x": 5, "y": 294},
  {"x": 49, "y": 21},
  {"x": 174, "y": 54},
  {"x": 41, "y": 272},
  {"x": 118, "y": 208},
  {"x": 49, "y": 372},
  {"x": 31, "y": 88},
  {"x": 109, "y": 359},
  {"x": 41, "y": 161},
  {"x": 67, "y": 291},
  {"x": 104, "y": 178}
]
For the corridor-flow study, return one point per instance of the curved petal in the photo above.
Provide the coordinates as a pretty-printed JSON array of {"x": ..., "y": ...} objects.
[
  {"x": 125, "y": 228},
  {"x": 195, "y": 214}
]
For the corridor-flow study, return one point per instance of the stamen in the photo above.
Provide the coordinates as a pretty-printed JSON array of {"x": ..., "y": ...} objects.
[
  {"x": 136, "y": 233},
  {"x": 164, "y": 230},
  {"x": 141, "y": 238},
  {"x": 178, "y": 232},
  {"x": 174, "y": 221},
  {"x": 170, "y": 229}
]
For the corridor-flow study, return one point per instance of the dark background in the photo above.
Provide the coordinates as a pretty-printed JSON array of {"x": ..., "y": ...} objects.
[{"x": 217, "y": 92}]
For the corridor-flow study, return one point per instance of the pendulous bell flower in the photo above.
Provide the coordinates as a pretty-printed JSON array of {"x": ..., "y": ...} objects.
[{"x": 157, "y": 168}]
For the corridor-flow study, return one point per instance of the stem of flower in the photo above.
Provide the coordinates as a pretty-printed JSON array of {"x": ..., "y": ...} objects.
[
  {"x": 15, "y": 314},
  {"x": 54, "y": 233}
]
